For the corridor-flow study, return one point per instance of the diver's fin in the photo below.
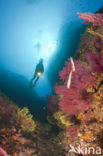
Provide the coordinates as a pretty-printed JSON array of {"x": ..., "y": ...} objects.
[{"x": 32, "y": 85}]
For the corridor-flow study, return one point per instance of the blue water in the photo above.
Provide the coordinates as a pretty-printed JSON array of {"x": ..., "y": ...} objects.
[{"x": 34, "y": 29}]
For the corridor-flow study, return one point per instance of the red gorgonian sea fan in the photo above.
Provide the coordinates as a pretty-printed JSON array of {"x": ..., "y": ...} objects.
[
  {"x": 95, "y": 19},
  {"x": 96, "y": 61},
  {"x": 3, "y": 152},
  {"x": 81, "y": 78},
  {"x": 75, "y": 99}
]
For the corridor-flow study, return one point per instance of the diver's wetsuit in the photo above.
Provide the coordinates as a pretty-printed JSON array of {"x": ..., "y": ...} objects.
[{"x": 38, "y": 73}]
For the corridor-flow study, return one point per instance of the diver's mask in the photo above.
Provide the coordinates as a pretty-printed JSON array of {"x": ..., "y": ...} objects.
[{"x": 39, "y": 74}]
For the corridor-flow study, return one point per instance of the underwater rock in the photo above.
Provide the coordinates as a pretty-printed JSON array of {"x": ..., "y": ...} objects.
[
  {"x": 12, "y": 138},
  {"x": 87, "y": 129}
]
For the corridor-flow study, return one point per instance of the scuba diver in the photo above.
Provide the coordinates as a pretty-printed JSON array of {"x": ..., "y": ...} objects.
[{"x": 38, "y": 73}]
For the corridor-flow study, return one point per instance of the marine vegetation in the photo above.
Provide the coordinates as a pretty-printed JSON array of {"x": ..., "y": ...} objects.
[
  {"x": 22, "y": 135},
  {"x": 24, "y": 119},
  {"x": 80, "y": 114},
  {"x": 15, "y": 126}
]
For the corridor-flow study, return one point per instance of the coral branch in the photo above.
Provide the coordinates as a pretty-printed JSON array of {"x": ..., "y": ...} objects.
[{"x": 95, "y": 19}]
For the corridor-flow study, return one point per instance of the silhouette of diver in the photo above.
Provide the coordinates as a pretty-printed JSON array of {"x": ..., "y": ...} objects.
[{"x": 38, "y": 73}]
